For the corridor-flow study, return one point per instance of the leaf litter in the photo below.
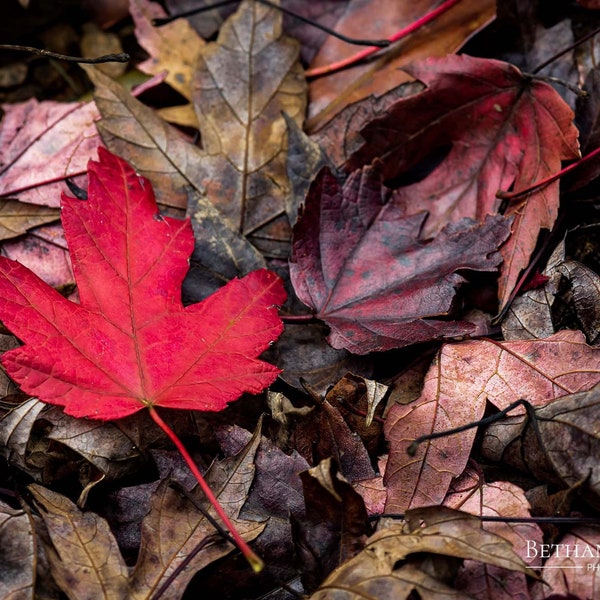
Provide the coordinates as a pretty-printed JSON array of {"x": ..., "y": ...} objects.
[{"x": 377, "y": 258}]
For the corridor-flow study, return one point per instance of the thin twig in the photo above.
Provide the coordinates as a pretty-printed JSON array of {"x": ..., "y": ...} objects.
[
  {"x": 551, "y": 520},
  {"x": 358, "y": 42},
  {"x": 413, "y": 447},
  {"x": 120, "y": 57}
]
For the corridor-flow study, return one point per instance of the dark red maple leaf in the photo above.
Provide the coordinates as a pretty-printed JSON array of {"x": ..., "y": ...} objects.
[
  {"x": 358, "y": 262},
  {"x": 131, "y": 343},
  {"x": 499, "y": 128}
]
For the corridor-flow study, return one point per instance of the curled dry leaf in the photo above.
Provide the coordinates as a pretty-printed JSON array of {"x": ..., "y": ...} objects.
[
  {"x": 503, "y": 129},
  {"x": 567, "y": 449},
  {"x": 497, "y": 499},
  {"x": 475, "y": 372},
  {"x": 243, "y": 83},
  {"x": 379, "y": 572},
  {"x": 15, "y": 431},
  {"x": 585, "y": 287},
  {"x": 359, "y": 263}
]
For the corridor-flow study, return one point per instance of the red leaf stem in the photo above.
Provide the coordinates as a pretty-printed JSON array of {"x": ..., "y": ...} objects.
[
  {"x": 355, "y": 58},
  {"x": 255, "y": 561}
]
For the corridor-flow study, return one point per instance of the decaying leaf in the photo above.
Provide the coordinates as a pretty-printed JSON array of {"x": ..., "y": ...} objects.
[
  {"x": 44, "y": 143},
  {"x": 243, "y": 83},
  {"x": 379, "y": 570},
  {"x": 134, "y": 131},
  {"x": 17, "y": 554},
  {"x": 483, "y": 110},
  {"x": 460, "y": 381},
  {"x": 530, "y": 315},
  {"x": 359, "y": 263},
  {"x": 567, "y": 450},
  {"x": 335, "y": 524},
  {"x": 85, "y": 558},
  {"x": 175, "y": 526}
]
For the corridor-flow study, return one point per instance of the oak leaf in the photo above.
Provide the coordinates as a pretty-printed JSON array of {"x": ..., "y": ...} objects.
[
  {"x": 358, "y": 262},
  {"x": 503, "y": 128},
  {"x": 131, "y": 343}
]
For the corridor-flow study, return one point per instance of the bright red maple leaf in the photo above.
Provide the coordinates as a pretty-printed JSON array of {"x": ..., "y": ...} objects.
[{"x": 131, "y": 343}]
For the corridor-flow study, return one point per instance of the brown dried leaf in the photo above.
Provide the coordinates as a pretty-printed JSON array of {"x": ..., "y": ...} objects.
[
  {"x": 377, "y": 572},
  {"x": 105, "y": 445},
  {"x": 567, "y": 450},
  {"x": 335, "y": 525},
  {"x": 476, "y": 371},
  {"x": 173, "y": 47},
  {"x": 244, "y": 81},
  {"x": 86, "y": 562},
  {"x": 17, "y": 554},
  {"x": 17, "y": 217},
  {"x": 530, "y": 314},
  {"x": 175, "y": 526},
  {"x": 323, "y": 433},
  {"x": 157, "y": 150},
  {"x": 585, "y": 287}
]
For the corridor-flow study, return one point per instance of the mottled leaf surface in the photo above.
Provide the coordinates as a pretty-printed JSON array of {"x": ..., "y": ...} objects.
[{"x": 358, "y": 261}]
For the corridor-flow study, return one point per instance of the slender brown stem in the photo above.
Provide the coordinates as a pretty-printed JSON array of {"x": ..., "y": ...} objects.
[
  {"x": 255, "y": 562},
  {"x": 359, "y": 56},
  {"x": 121, "y": 57}
]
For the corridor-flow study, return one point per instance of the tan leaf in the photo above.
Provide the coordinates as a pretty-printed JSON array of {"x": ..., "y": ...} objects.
[
  {"x": 86, "y": 562},
  {"x": 173, "y": 47},
  {"x": 456, "y": 388},
  {"x": 17, "y": 554},
  {"x": 377, "y": 572},
  {"x": 16, "y": 217},
  {"x": 244, "y": 81}
]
